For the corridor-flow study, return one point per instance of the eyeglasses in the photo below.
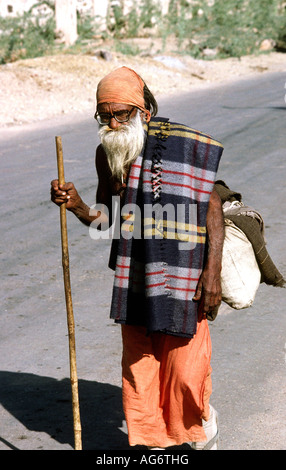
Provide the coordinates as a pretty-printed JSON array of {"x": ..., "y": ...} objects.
[{"x": 120, "y": 116}]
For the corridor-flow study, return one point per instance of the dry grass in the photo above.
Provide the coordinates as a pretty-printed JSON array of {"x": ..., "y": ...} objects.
[{"x": 36, "y": 89}]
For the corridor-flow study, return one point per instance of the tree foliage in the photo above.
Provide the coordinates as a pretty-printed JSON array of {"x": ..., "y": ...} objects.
[{"x": 228, "y": 27}]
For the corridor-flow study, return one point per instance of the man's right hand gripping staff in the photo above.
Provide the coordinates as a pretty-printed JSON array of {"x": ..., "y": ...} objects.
[{"x": 67, "y": 193}]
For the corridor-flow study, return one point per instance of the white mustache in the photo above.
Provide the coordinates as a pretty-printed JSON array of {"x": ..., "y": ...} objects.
[{"x": 122, "y": 145}]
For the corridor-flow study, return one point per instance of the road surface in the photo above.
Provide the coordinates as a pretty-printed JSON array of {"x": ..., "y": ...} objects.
[{"x": 249, "y": 346}]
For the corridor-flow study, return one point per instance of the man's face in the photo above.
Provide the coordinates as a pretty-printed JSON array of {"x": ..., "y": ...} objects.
[
  {"x": 111, "y": 108},
  {"x": 122, "y": 141}
]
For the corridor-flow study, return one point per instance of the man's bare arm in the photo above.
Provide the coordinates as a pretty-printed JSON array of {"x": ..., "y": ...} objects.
[
  {"x": 209, "y": 285},
  {"x": 68, "y": 194}
]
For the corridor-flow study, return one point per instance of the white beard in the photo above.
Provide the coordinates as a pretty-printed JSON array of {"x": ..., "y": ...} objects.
[{"x": 122, "y": 146}]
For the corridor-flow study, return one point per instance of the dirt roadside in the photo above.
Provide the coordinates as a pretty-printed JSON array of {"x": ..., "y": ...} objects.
[{"x": 36, "y": 89}]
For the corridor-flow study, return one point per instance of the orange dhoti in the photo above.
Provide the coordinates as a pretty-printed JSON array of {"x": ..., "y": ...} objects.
[{"x": 166, "y": 386}]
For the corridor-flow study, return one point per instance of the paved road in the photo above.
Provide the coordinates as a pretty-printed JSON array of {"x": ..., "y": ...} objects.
[{"x": 249, "y": 346}]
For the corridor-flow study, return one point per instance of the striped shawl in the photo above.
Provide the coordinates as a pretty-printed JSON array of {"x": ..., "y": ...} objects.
[{"x": 161, "y": 251}]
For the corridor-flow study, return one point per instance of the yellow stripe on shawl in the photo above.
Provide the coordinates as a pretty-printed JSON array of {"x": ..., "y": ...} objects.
[
  {"x": 189, "y": 134},
  {"x": 166, "y": 234},
  {"x": 168, "y": 229},
  {"x": 173, "y": 224}
]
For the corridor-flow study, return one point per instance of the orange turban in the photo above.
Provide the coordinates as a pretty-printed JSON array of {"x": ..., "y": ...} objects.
[{"x": 123, "y": 85}]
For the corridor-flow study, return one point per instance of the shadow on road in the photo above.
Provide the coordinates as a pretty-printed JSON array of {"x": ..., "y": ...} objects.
[{"x": 43, "y": 404}]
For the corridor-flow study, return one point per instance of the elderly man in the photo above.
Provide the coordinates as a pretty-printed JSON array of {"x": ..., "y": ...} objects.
[{"x": 167, "y": 271}]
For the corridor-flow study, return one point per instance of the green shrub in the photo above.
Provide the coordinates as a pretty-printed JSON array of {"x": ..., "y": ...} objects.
[
  {"x": 233, "y": 28},
  {"x": 229, "y": 27},
  {"x": 126, "y": 48},
  {"x": 24, "y": 37}
]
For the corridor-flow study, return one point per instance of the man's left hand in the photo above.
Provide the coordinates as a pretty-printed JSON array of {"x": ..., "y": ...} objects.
[{"x": 209, "y": 289}]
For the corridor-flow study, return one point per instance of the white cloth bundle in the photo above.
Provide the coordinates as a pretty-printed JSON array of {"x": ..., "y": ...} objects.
[{"x": 240, "y": 275}]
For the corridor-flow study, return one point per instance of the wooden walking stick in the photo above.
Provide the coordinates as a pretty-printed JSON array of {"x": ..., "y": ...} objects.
[{"x": 69, "y": 306}]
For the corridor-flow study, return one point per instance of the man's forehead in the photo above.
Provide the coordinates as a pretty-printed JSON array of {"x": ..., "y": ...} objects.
[{"x": 108, "y": 107}]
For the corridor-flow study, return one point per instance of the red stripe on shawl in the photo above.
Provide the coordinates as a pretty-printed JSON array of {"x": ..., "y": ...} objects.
[
  {"x": 182, "y": 173},
  {"x": 155, "y": 285},
  {"x": 184, "y": 278},
  {"x": 182, "y": 186},
  {"x": 181, "y": 289}
]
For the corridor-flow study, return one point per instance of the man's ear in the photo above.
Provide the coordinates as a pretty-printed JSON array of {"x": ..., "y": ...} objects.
[{"x": 146, "y": 116}]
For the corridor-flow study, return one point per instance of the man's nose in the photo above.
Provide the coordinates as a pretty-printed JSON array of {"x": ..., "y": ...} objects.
[{"x": 113, "y": 123}]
